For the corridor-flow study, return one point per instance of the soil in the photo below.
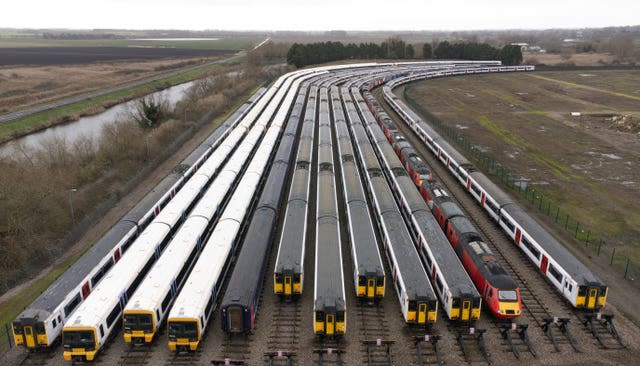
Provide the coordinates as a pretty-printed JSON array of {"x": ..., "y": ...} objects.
[
  {"x": 525, "y": 123},
  {"x": 79, "y": 55}
]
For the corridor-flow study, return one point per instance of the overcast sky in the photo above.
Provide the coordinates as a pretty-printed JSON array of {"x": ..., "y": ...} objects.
[{"x": 318, "y": 14}]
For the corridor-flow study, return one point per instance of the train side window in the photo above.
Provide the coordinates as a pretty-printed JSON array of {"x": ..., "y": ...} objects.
[
  {"x": 475, "y": 188},
  {"x": 554, "y": 272},
  {"x": 54, "y": 323},
  {"x": 508, "y": 223},
  {"x": 439, "y": 284},
  {"x": 535, "y": 252},
  {"x": 113, "y": 315},
  {"x": 101, "y": 331},
  {"x": 72, "y": 305},
  {"x": 340, "y": 316},
  {"x": 428, "y": 258},
  {"x": 491, "y": 205}
]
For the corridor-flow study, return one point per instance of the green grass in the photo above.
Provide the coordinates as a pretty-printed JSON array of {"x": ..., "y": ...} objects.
[
  {"x": 43, "y": 119},
  {"x": 235, "y": 43}
]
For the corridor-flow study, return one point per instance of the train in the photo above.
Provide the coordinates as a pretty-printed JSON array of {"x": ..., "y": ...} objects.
[
  {"x": 89, "y": 328},
  {"x": 39, "y": 325},
  {"x": 570, "y": 277},
  {"x": 458, "y": 295},
  {"x": 499, "y": 290},
  {"x": 288, "y": 273},
  {"x": 193, "y": 307},
  {"x": 239, "y": 305},
  {"x": 368, "y": 270},
  {"x": 329, "y": 300},
  {"x": 417, "y": 298}
]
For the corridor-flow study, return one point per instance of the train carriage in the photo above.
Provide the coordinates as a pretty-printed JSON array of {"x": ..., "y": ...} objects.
[
  {"x": 369, "y": 277},
  {"x": 415, "y": 294}
]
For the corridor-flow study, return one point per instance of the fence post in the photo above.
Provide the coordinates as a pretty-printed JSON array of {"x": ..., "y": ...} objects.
[
  {"x": 566, "y": 222},
  {"x": 9, "y": 340},
  {"x": 600, "y": 247},
  {"x": 626, "y": 270},
  {"x": 557, "y": 213},
  {"x": 613, "y": 253},
  {"x": 577, "y": 227},
  {"x": 586, "y": 242}
]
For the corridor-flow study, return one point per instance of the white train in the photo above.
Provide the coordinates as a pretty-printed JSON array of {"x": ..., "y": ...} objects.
[
  {"x": 190, "y": 315},
  {"x": 91, "y": 325}
]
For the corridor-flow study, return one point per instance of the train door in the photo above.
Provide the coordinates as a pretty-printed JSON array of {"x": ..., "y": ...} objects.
[
  {"x": 371, "y": 287},
  {"x": 591, "y": 299},
  {"x": 235, "y": 318},
  {"x": 544, "y": 264},
  {"x": 330, "y": 324},
  {"x": 29, "y": 337},
  {"x": 85, "y": 290},
  {"x": 288, "y": 290},
  {"x": 466, "y": 310},
  {"x": 422, "y": 313}
]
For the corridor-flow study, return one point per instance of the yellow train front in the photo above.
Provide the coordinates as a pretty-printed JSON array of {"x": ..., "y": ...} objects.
[
  {"x": 30, "y": 334},
  {"x": 80, "y": 343},
  {"x": 184, "y": 334},
  {"x": 139, "y": 326},
  {"x": 330, "y": 321},
  {"x": 288, "y": 283},
  {"x": 591, "y": 298},
  {"x": 370, "y": 287}
]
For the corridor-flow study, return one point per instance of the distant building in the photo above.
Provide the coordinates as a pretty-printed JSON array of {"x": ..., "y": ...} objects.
[{"x": 524, "y": 47}]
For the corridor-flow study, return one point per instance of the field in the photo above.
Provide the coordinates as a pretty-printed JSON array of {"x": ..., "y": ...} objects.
[
  {"x": 223, "y": 43},
  {"x": 586, "y": 164}
]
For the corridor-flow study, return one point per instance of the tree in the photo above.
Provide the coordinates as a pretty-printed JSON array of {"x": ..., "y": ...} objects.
[
  {"x": 427, "y": 51},
  {"x": 510, "y": 55},
  {"x": 409, "y": 51},
  {"x": 151, "y": 111}
]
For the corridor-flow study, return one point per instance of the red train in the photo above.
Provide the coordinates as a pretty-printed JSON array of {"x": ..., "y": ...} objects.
[{"x": 499, "y": 291}]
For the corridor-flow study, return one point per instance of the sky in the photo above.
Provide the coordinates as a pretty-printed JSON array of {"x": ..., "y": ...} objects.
[{"x": 318, "y": 15}]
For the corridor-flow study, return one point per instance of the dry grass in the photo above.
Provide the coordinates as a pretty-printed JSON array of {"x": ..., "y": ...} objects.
[
  {"x": 577, "y": 59},
  {"x": 24, "y": 86}
]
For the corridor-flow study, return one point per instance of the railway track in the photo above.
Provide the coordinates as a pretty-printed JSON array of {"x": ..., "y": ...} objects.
[
  {"x": 135, "y": 356},
  {"x": 38, "y": 358},
  {"x": 532, "y": 286},
  {"x": 373, "y": 327},
  {"x": 286, "y": 326}
]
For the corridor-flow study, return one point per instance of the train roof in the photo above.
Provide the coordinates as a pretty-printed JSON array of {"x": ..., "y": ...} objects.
[
  {"x": 296, "y": 227},
  {"x": 498, "y": 195},
  {"x": 329, "y": 286}
]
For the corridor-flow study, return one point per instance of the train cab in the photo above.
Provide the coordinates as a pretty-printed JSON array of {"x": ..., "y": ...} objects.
[
  {"x": 370, "y": 287},
  {"x": 591, "y": 297},
  {"x": 330, "y": 322},
  {"x": 80, "y": 344},
  {"x": 422, "y": 312},
  {"x": 503, "y": 303},
  {"x": 288, "y": 284},
  {"x": 139, "y": 326},
  {"x": 465, "y": 308},
  {"x": 30, "y": 333},
  {"x": 184, "y": 334}
]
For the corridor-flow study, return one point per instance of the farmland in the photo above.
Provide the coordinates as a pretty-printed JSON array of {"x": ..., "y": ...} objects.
[{"x": 587, "y": 164}]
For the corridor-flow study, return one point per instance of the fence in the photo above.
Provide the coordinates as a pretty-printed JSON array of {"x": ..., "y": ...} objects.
[{"x": 604, "y": 250}]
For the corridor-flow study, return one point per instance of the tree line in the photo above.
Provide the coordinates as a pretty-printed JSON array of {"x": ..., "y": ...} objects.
[{"x": 301, "y": 55}]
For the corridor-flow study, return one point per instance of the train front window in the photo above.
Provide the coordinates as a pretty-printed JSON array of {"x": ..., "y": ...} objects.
[
  {"x": 183, "y": 330},
  {"x": 78, "y": 339},
  {"x": 40, "y": 328},
  {"x": 507, "y": 295},
  {"x": 17, "y": 328},
  {"x": 138, "y": 322}
]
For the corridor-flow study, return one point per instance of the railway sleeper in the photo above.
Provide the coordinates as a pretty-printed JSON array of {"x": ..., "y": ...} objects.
[
  {"x": 433, "y": 339},
  {"x": 478, "y": 336},
  {"x": 521, "y": 329},
  {"x": 369, "y": 344},
  {"x": 605, "y": 322},
  {"x": 286, "y": 355},
  {"x": 321, "y": 352},
  {"x": 563, "y": 325},
  {"x": 227, "y": 361}
]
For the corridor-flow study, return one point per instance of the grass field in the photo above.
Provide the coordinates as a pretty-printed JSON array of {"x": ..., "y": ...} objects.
[
  {"x": 20, "y": 127},
  {"x": 226, "y": 43},
  {"x": 588, "y": 165}
]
